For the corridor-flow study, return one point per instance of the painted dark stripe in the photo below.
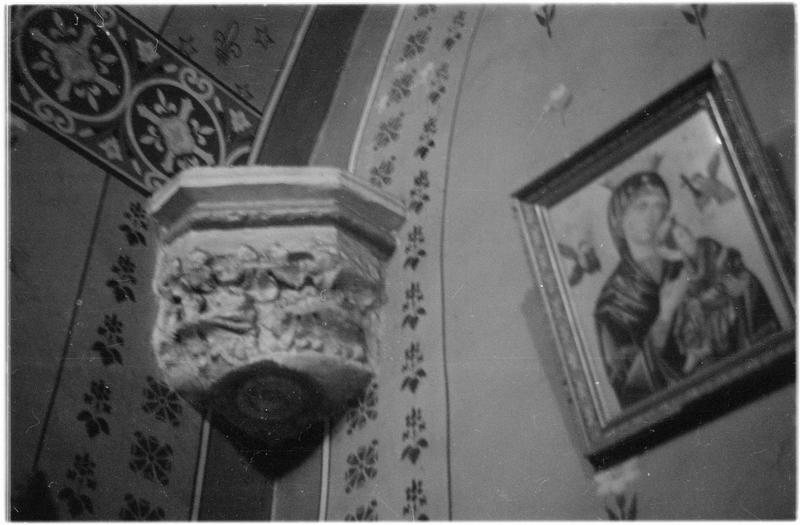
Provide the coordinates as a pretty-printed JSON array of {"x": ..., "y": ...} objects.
[
  {"x": 73, "y": 316},
  {"x": 306, "y": 99}
]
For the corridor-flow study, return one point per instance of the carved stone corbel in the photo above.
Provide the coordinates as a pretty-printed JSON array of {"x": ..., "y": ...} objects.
[{"x": 269, "y": 283}]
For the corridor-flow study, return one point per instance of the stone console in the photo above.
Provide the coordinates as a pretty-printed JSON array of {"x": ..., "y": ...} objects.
[{"x": 269, "y": 284}]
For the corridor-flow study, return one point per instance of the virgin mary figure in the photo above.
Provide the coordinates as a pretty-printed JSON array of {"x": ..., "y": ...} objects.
[{"x": 667, "y": 311}]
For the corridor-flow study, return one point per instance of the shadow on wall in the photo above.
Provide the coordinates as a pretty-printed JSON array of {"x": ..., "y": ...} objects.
[
  {"x": 33, "y": 501},
  {"x": 272, "y": 459}
]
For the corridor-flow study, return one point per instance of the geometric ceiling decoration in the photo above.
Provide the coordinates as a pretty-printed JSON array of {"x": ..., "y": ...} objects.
[{"x": 107, "y": 86}]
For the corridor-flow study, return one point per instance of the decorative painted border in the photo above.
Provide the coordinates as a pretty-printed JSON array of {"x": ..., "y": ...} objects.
[{"x": 109, "y": 88}]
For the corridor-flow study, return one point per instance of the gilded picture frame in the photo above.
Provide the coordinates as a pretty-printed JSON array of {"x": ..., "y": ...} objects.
[{"x": 665, "y": 255}]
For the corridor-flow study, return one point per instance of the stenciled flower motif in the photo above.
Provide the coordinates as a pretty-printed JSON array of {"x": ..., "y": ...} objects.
[
  {"x": 362, "y": 466},
  {"x": 98, "y": 400},
  {"x": 111, "y": 148},
  {"x": 364, "y": 513},
  {"x": 412, "y": 369},
  {"x": 69, "y": 53},
  {"x": 412, "y": 436},
  {"x": 111, "y": 331},
  {"x": 363, "y": 409},
  {"x": 134, "y": 231},
  {"x": 152, "y": 459},
  {"x": 415, "y": 501},
  {"x": 147, "y": 51},
  {"x": 82, "y": 471},
  {"x": 123, "y": 272},
  {"x": 82, "y": 477},
  {"x": 179, "y": 133},
  {"x": 239, "y": 121},
  {"x": 162, "y": 402},
  {"x": 138, "y": 509}
]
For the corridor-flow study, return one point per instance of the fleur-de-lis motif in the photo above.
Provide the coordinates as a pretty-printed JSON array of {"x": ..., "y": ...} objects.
[{"x": 227, "y": 46}]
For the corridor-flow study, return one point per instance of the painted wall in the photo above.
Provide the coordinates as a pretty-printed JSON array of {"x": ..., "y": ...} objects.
[
  {"x": 496, "y": 410},
  {"x": 485, "y": 431},
  {"x": 613, "y": 60},
  {"x": 94, "y": 431}
]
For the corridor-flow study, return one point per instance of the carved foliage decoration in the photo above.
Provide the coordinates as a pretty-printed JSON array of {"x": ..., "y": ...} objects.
[
  {"x": 220, "y": 311},
  {"x": 103, "y": 84}
]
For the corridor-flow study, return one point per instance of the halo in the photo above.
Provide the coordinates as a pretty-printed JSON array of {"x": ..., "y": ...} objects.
[{"x": 611, "y": 180}]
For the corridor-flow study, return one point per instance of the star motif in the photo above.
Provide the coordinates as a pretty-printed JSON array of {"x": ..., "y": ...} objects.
[{"x": 262, "y": 37}]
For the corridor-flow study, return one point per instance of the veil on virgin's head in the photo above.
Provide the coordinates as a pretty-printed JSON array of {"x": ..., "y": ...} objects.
[{"x": 622, "y": 197}]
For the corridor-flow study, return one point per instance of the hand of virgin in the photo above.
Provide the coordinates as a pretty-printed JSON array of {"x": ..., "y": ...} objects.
[{"x": 672, "y": 293}]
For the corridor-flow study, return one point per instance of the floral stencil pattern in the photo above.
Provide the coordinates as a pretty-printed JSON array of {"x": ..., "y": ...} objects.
[
  {"x": 151, "y": 459},
  {"x": 401, "y": 87},
  {"x": 98, "y": 400},
  {"x": 412, "y": 369},
  {"x": 109, "y": 346},
  {"x": 426, "y": 138},
  {"x": 162, "y": 402},
  {"x": 415, "y": 501},
  {"x": 381, "y": 175},
  {"x": 136, "y": 227},
  {"x": 82, "y": 476},
  {"x": 412, "y": 436},
  {"x": 419, "y": 192},
  {"x": 364, "y": 513},
  {"x": 412, "y": 307},
  {"x": 424, "y": 10},
  {"x": 454, "y": 33},
  {"x": 414, "y": 250},
  {"x": 361, "y": 466},
  {"x": 426, "y": 58},
  {"x": 388, "y": 131},
  {"x": 363, "y": 409},
  {"x": 415, "y": 43},
  {"x": 138, "y": 509},
  {"x": 123, "y": 272},
  {"x": 438, "y": 83}
]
